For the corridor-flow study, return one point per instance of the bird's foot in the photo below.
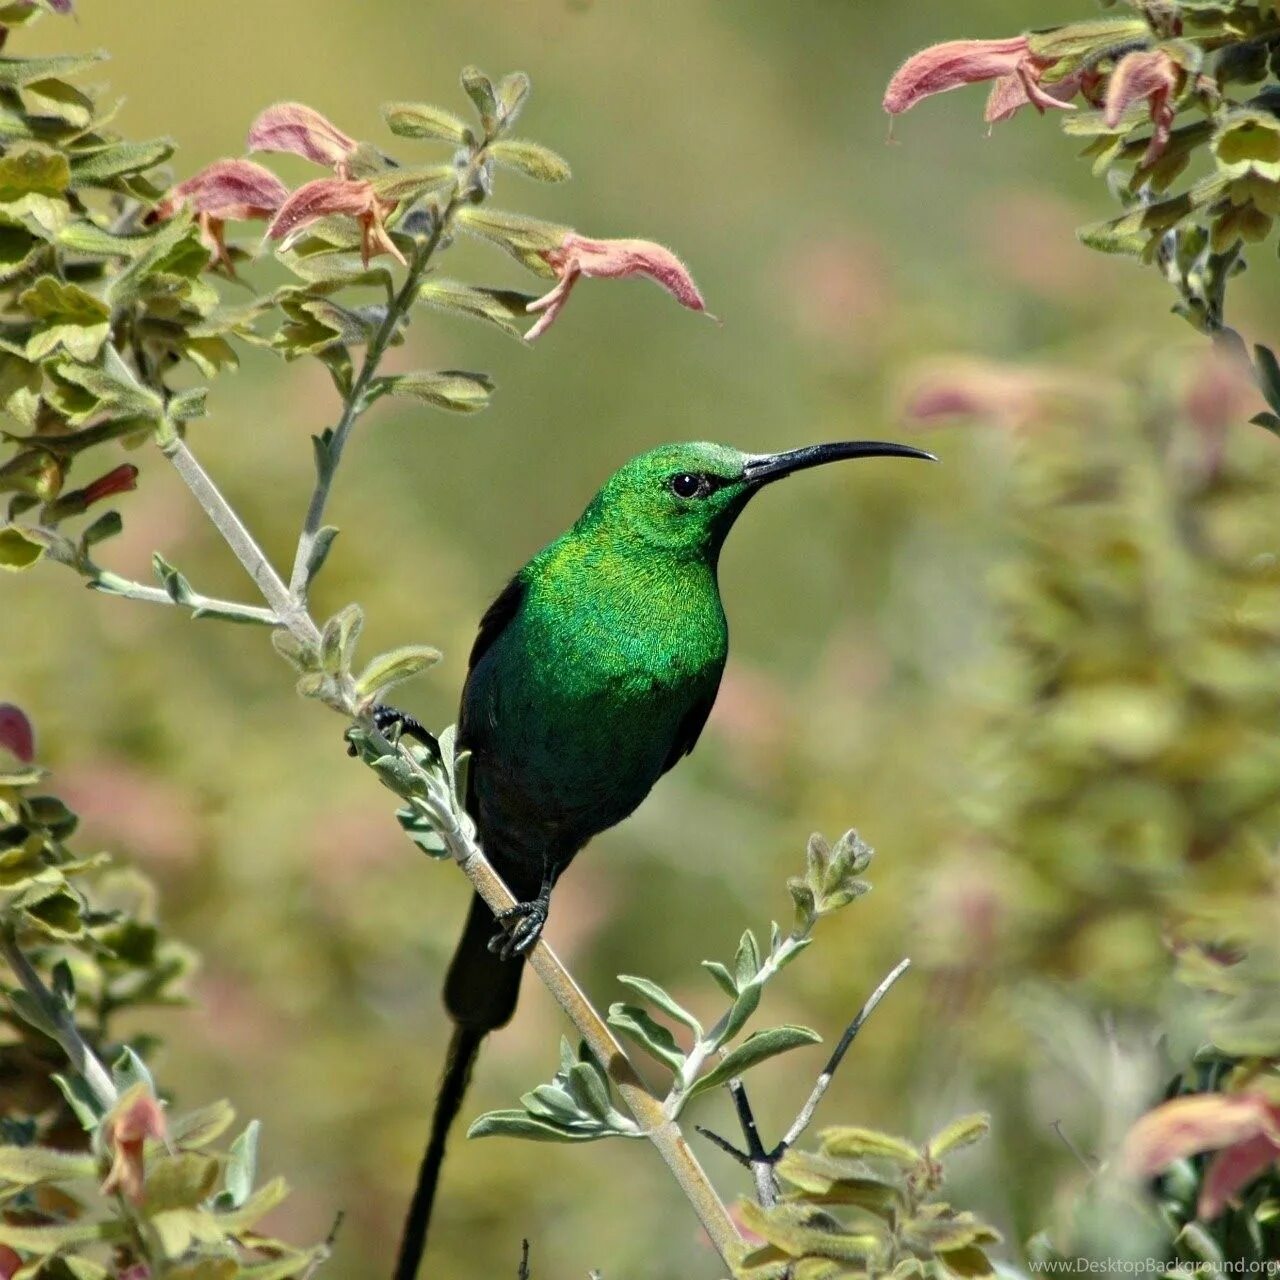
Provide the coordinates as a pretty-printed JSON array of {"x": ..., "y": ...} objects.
[
  {"x": 395, "y": 724},
  {"x": 521, "y": 927}
]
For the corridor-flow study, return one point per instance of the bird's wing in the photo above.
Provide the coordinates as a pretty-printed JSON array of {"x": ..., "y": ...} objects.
[
  {"x": 496, "y": 617},
  {"x": 690, "y": 727}
]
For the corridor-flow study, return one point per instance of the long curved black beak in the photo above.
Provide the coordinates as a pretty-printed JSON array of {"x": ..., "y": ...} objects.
[{"x": 763, "y": 468}]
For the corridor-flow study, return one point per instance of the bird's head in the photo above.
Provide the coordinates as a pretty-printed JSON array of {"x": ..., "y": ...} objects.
[{"x": 685, "y": 497}]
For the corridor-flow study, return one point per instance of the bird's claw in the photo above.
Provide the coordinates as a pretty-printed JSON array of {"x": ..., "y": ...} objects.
[
  {"x": 521, "y": 929},
  {"x": 394, "y": 723}
]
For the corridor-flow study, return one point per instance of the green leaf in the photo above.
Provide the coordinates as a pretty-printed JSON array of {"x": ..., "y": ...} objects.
[
  {"x": 746, "y": 963},
  {"x": 526, "y": 239},
  {"x": 505, "y": 308},
  {"x": 512, "y": 93},
  {"x": 1268, "y": 371},
  {"x": 422, "y": 120},
  {"x": 395, "y": 666},
  {"x": 43, "y": 1240},
  {"x": 113, "y": 386},
  {"x": 724, "y": 979},
  {"x": 52, "y": 908},
  {"x": 852, "y": 1140},
  {"x": 58, "y": 100},
  {"x": 1076, "y": 40},
  {"x": 479, "y": 88},
  {"x": 33, "y": 169},
  {"x": 181, "y": 1181},
  {"x": 80, "y": 1098},
  {"x": 339, "y": 638},
  {"x": 520, "y": 1124},
  {"x": 27, "y": 1166},
  {"x": 407, "y": 184},
  {"x": 963, "y": 1132},
  {"x": 200, "y": 1127},
  {"x": 129, "y": 1070},
  {"x": 15, "y": 72},
  {"x": 450, "y": 389},
  {"x": 657, "y": 996},
  {"x": 744, "y": 1006},
  {"x": 18, "y": 550},
  {"x": 176, "y": 587},
  {"x": 754, "y": 1049},
  {"x": 107, "y": 525},
  {"x": 117, "y": 160},
  {"x": 655, "y": 1039},
  {"x": 531, "y": 159},
  {"x": 66, "y": 317}
]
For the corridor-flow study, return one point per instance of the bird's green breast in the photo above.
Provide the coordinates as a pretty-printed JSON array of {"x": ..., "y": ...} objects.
[{"x": 576, "y": 708}]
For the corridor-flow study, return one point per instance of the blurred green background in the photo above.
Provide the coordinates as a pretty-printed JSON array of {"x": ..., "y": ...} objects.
[{"x": 866, "y": 652}]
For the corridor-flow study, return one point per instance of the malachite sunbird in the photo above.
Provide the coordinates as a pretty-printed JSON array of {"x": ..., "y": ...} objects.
[{"x": 592, "y": 674}]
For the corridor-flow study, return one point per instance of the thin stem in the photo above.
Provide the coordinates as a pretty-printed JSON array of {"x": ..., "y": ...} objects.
[
  {"x": 229, "y": 610},
  {"x": 758, "y": 1160},
  {"x": 801, "y": 1122},
  {"x": 331, "y": 454},
  {"x": 239, "y": 539},
  {"x": 63, "y": 1027}
]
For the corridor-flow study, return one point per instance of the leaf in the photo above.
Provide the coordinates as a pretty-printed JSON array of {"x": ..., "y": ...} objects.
[
  {"x": 18, "y": 550},
  {"x": 339, "y": 638},
  {"x": 513, "y": 93},
  {"x": 754, "y": 1049},
  {"x": 746, "y": 962},
  {"x": 851, "y": 1140},
  {"x": 394, "y": 667},
  {"x": 450, "y": 389},
  {"x": 407, "y": 184},
  {"x": 963, "y": 1132},
  {"x": 648, "y": 1033},
  {"x": 743, "y": 1007},
  {"x": 526, "y": 239},
  {"x": 479, "y": 88},
  {"x": 200, "y": 1127},
  {"x": 15, "y": 72},
  {"x": 421, "y": 120},
  {"x": 519, "y": 1124},
  {"x": 80, "y": 1098},
  {"x": 43, "y": 1240},
  {"x": 505, "y": 308},
  {"x": 117, "y": 160},
  {"x": 34, "y": 168},
  {"x": 1268, "y": 371},
  {"x": 724, "y": 979},
  {"x": 26, "y": 1166},
  {"x": 181, "y": 1181},
  {"x": 656, "y": 995},
  {"x": 129, "y": 1070},
  {"x": 531, "y": 159}
]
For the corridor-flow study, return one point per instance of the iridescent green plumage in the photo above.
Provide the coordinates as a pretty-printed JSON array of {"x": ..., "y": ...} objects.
[{"x": 593, "y": 673}]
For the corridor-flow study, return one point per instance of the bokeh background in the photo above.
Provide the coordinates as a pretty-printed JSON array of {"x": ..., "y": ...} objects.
[{"x": 868, "y": 666}]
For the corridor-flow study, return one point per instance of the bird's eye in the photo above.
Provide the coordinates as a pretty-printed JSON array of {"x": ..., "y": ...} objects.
[{"x": 687, "y": 485}]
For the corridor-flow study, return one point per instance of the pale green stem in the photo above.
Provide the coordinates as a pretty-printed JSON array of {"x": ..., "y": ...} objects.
[{"x": 61, "y": 1024}]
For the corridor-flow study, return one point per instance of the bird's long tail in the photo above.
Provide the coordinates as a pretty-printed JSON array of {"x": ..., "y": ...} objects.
[{"x": 480, "y": 994}]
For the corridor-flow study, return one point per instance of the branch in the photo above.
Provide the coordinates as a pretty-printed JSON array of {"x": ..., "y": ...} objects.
[
  {"x": 286, "y": 610},
  {"x": 801, "y": 1122},
  {"x": 330, "y": 449},
  {"x": 761, "y": 1162},
  {"x": 61, "y": 1025}
]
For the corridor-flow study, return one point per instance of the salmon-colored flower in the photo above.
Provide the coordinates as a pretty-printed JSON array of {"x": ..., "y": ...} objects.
[
  {"x": 1010, "y": 62},
  {"x": 577, "y": 256},
  {"x": 302, "y": 131},
  {"x": 225, "y": 191},
  {"x": 16, "y": 733},
  {"x": 327, "y": 197},
  {"x": 136, "y": 1117},
  {"x": 1243, "y": 1129},
  {"x": 1151, "y": 74}
]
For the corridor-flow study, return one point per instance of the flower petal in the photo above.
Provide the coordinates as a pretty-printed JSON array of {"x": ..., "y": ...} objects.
[
  {"x": 302, "y": 131},
  {"x": 1231, "y": 1170},
  {"x": 228, "y": 189},
  {"x": 616, "y": 259},
  {"x": 948, "y": 66},
  {"x": 1186, "y": 1126},
  {"x": 1145, "y": 73},
  {"x": 16, "y": 733},
  {"x": 319, "y": 199}
]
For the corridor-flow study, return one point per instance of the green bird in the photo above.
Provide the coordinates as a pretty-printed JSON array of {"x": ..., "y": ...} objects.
[{"x": 592, "y": 674}]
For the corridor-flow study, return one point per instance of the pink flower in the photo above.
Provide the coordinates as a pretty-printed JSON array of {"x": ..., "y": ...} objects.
[
  {"x": 1243, "y": 1129},
  {"x": 16, "y": 733},
  {"x": 610, "y": 260},
  {"x": 942, "y": 67},
  {"x": 10, "y": 1263},
  {"x": 1150, "y": 74},
  {"x": 225, "y": 191},
  {"x": 341, "y": 196},
  {"x": 301, "y": 131},
  {"x": 135, "y": 1118}
]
